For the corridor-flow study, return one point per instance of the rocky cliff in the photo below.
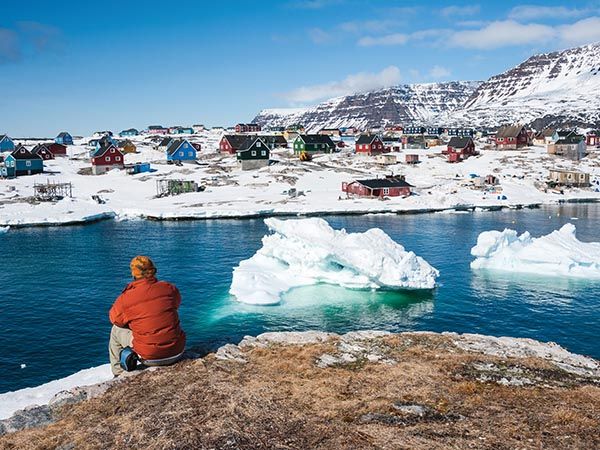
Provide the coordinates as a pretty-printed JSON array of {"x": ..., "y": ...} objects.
[{"x": 361, "y": 390}]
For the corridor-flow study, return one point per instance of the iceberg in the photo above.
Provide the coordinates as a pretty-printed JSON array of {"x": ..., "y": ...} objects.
[
  {"x": 302, "y": 252},
  {"x": 4, "y": 229},
  {"x": 558, "y": 253}
]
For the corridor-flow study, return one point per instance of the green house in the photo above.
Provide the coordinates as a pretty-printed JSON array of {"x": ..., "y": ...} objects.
[
  {"x": 313, "y": 143},
  {"x": 253, "y": 154}
]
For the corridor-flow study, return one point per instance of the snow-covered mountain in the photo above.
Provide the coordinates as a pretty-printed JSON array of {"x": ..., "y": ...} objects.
[
  {"x": 399, "y": 104},
  {"x": 559, "y": 88}
]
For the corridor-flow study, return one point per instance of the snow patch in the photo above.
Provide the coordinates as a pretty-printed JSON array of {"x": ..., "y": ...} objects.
[
  {"x": 303, "y": 252},
  {"x": 558, "y": 253},
  {"x": 41, "y": 395}
]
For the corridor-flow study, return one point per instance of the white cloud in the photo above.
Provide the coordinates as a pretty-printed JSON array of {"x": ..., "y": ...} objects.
[
  {"x": 537, "y": 12},
  {"x": 458, "y": 11},
  {"x": 360, "y": 82},
  {"x": 582, "y": 32},
  {"x": 388, "y": 39},
  {"x": 438, "y": 72},
  {"x": 502, "y": 34},
  {"x": 371, "y": 26}
]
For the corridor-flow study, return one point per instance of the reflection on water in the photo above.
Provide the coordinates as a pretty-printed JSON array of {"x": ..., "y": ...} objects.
[
  {"x": 531, "y": 288},
  {"x": 333, "y": 308}
]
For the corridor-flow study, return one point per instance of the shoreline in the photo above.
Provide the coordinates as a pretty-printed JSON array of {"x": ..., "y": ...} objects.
[{"x": 112, "y": 215}]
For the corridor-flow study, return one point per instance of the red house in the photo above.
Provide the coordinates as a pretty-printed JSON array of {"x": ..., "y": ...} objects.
[
  {"x": 592, "y": 138},
  {"x": 57, "y": 149},
  {"x": 512, "y": 137},
  {"x": 460, "y": 148},
  {"x": 247, "y": 128},
  {"x": 107, "y": 158},
  {"x": 390, "y": 186},
  {"x": 43, "y": 152},
  {"x": 411, "y": 159},
  {"x": 231, "y": 143},
  {"x": 369, "y": 144}
]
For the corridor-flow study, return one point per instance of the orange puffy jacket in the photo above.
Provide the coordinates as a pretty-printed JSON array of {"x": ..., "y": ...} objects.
[{"x": 149, "y": 309}]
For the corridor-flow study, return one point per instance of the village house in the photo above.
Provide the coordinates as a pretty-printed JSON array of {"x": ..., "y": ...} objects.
[
  {"x": 126, "y": 146},
  {"x": 157, "y": 129},
  {"x": 181, "y": 150},
  {"x": 254, "y": 154},
  {"x": 313, "y": 143},
  {"x": 64, "y": 138},
  {"x": 99, "y": 134},
  {"x": 22, "y": 162},
  {"x": 459, "y": 148},
  {"x": 6, "y": 143},
  {"x": 332, "y": 132},
  {"x": 43, "y": 152},
  {"x": 414, "y": 142},
  {"x": 568, "y": 178},
  {"x": 432, "y": 140},
  {"x": 386, "y": 159},
  {"x": 460, "y": 132},
  {"x": 396, "y": 129},
  {"x": 164, "y": 143},
  {"x": 198, "y": 128},
  {"x": 107, "y": 158},
  {"x": 369, "y": 145},
  {"x": 572, "y": 147},
  {"x": 512, "y": 137},
  {"x": 293, "y": 131},
  {"x": 231, "y": 143},
  {"x": 545, "y": 137},
  {"x": 390, "y": 186},
  {"x": 105, "y": 141},
  {"x": 592, "y": 138},
  {"x": 247, "y": 128},
  {"x": 411, "y": 159},
  {"x": 274, "y": 141},
  {"x": 129, "y": 132},
  {"x": 57, "y": 149},
  {"x": 181, "y": 130}
]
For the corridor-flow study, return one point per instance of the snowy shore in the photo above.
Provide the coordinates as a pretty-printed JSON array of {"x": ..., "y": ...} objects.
[{"x": 235, "y": 194}]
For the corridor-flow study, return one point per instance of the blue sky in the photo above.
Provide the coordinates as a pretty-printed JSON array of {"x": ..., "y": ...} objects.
[{"x": 73, "y": 66}]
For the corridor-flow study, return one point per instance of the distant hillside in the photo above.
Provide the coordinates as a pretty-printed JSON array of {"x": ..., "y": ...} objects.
[{"x": 559, "y": 88}]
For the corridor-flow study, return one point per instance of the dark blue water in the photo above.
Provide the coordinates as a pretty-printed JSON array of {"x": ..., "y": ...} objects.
[{"x": 59, "y": 283}]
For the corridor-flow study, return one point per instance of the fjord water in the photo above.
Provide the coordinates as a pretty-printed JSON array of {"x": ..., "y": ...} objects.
[{"x": 59, "y": 283}]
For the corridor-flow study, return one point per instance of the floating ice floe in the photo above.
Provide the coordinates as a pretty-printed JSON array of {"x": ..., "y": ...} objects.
[
  {"x": 308, "y": 251},
  {"x": 4, "y": 229},
  {"x": 557, "y": 253}
]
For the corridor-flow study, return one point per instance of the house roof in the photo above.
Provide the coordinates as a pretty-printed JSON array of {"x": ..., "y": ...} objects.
[
  {"x": 273, "y": 139},
  {"x": 388, "y": 182},
  {"x": 165, "y": 141},
  {"x": 3, "y": 136},
  {"x": 63, "y": 134},
  {"x": 40, "y": 147},
  {"x": 316, "y": 139},
  {"x": 103, "y": 149},
  {"x": 509, "y": 131},
  {"x": 459, "y": 142},
  {"x": 156, "y": 127},
  {"x": 565, "y": 133},
  {"x": 130, "y": 130},
  {"x": 237, "y": 141},
  {"x": 22, "y": 153},
  {"x": 173, "y": 146},
  {"x": 366, "y": 138},
  {"x": 250, "y": 143},
  {"x": 547, "y": 132}
]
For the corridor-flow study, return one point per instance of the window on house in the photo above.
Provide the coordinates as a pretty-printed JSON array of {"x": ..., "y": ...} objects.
[
  {"x": 107, "y": 158},
  {"x": 190, "y": 153},
  {"x": 263, "y": 153},
  {"x": 28, "y": 163},
  {"x": 253, "y": 153},
  {"x": 386, "y": 191},
  {"x": 180, "y": 153},
  {"x": 117, "y": 158},
  {"x": 258, "y": 144}
]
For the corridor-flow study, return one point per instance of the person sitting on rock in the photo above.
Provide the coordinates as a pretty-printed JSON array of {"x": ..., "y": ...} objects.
[{"x": 145, "y": 320}]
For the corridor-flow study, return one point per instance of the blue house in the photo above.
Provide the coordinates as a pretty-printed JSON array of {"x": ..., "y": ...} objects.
[
  {"x": 23, "y": 162},
  {"x": 6, "y": 143},
  {"x": 64, "y": 138},
  {"x": 105, "y": 141},
  {"x": 129, "y": 132},
  {"x": 181, "y": 150}
]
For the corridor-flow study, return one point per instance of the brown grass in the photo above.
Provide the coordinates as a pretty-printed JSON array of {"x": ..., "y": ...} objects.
[{"x": 281, "y": 400}]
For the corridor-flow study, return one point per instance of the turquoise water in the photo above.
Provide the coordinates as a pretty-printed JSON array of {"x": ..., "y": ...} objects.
[{"x": 59, "y": 283}]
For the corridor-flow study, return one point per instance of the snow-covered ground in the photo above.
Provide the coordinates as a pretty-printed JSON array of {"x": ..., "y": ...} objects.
[
  {"x": 231, "y": 192},
  {"x": 42, "y": 394},
  {"x": 557, "y": 253},
  {"x": 303, "y": 252}
]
